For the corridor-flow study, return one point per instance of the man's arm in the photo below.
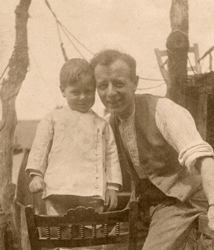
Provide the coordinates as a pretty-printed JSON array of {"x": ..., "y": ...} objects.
[
  {"x": 207, "y": 174},
  {"x": 178, "y": 128}
]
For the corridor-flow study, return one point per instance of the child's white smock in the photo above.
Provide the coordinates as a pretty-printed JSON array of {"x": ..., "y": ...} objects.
[{"x": 76, "y": 153}]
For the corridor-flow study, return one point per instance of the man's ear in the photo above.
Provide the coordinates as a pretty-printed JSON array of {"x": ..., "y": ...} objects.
[
  {"x": 62, "y": 91},
  {"x": 135, "y": 83}
]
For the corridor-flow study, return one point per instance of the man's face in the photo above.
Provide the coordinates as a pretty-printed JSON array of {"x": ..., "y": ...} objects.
[
  {"x": 115, "y": 87},
  {"x": 81, "y": 95}
]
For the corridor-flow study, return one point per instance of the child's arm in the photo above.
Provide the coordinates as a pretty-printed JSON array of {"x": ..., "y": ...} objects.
[
  {"x": 111, "y": 199},
  {"x": 38, "y": 157},
  {"x": 113, "y": 170},
  {"x": 37, "y": 184}
]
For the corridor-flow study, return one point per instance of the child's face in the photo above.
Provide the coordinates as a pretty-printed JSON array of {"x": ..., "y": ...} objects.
[{"x": 81, "y": 95}]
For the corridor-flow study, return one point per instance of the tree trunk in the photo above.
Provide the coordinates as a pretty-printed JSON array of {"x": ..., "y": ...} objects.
[
  {"x": 178, "y": 45},
  {"x": 18, "y": 65}
]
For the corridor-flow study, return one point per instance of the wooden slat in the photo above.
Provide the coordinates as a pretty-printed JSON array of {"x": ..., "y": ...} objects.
[
  {"x": 77, "y": 216},
  {"x": 80, "y": 217},
  {"x": 160, "y": 54},
  {"x": 82, "y": 242}
]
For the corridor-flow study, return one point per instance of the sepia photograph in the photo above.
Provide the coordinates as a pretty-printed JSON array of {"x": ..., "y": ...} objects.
[{"x": 107, "y": 125}]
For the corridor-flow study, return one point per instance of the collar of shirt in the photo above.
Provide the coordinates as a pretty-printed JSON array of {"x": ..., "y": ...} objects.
[{"x": 131, "y": 117}]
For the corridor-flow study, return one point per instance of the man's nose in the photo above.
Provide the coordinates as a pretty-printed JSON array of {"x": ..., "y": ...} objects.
[{"x": 111, "y": 90}]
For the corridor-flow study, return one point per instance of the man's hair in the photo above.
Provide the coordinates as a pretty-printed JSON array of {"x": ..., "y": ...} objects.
[
  {"x": 107, "y": 57},
  {"x": 73, "y": 70}
]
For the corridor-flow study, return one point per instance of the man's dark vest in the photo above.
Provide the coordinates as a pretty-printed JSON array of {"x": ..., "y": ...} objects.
[{"x": 158, "y": 160}]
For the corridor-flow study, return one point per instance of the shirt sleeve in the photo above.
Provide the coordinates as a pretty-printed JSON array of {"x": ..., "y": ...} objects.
[
  {"x": 34, "y": 172},
  {"x": 38, "y": 157},
  {"x": 178, "y": 128},
  {"x": 113, "y": 186},
  {"x": 113, "y": 170}
]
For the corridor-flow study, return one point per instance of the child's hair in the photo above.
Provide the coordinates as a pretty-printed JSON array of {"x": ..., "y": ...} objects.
[{"x": 73, "y": 70}]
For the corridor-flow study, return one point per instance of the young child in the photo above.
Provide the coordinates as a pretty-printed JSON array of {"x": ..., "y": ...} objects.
[{"x": 73, "y": 159}]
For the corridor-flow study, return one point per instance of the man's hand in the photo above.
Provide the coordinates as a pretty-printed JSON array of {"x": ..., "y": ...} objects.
[
  {"x": 37, "y": 184},
  {"x": 210, "y": 215},
  {"x": 111, "y": 199}
]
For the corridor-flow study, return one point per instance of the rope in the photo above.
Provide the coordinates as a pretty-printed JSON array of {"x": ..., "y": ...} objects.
[
  {"x": 64, "y": 29},
  {"x": 73, "y": 44},
  {"x": 49, "y": 7},
  {"x": 4, "y": 72},
  {"x": 150, "y": 79},
  {"x": 77, "y": 40},
  {"x": 61, "y": 43},
  {"x": 7, "y": 65},
  {"x": 180, "y": 31},
  {"x": 151, "y": 87}
]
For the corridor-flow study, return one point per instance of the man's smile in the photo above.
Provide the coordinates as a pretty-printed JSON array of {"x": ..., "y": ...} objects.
[{"x": 113, "y": 102}]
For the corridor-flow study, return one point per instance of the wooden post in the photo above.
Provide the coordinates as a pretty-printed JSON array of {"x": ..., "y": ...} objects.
[
  {"x": 10, "y": 87},
  {"x": 178, "y": 45}
]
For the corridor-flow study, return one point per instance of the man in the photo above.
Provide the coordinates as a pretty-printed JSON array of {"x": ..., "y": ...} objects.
[{"x": 162, "y": 151}]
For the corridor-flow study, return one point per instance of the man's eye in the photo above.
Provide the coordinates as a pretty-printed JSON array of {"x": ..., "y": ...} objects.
[
  {"x": 102, "y": 86},
  {"x": 119, "y": 84}
]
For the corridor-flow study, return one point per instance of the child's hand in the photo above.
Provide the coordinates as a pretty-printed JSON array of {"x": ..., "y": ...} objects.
[
  {"x": 111, "y": 199},
  {"x": 37, "y": 184}
]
